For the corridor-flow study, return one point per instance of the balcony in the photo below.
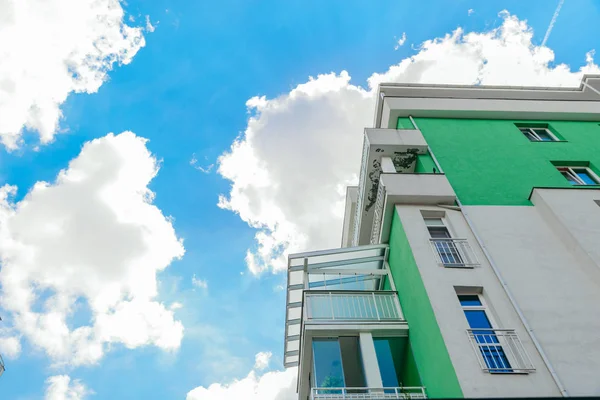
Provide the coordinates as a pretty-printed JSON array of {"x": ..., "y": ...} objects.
[
  {"x": 392, "y": 393},
  {"x": 344, "y": 306},
  {"x": 500, "y": 351},
  {"x": 454, "y": 253}
]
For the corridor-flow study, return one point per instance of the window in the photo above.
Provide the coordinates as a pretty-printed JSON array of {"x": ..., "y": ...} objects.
[
  {"x": 579, "y": 175},
  {"x": 538, "y": 134},
  {"x": 337, "y": 364},
  {"x": 389, "y": 352},
  {"x": 483, "y": 334},
  {"x": 443, "y": 243}
]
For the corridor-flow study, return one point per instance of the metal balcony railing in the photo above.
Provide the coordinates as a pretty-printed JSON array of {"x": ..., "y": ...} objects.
[
  {"x": 343, "y": 305},
  {"x": 454, "y": 253},
  {"x": 388, "y": 393},
  {"x": 500, "y": 351}
]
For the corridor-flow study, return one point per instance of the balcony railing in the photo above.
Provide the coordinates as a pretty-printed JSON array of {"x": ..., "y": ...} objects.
[
  {"x": 454, "y": 253},
  {"x": 345, "y": 305},
  {"x": 500, "y": 351},
  {"x": 2, "y": 369},
  {"x": 389, "y": 393}
]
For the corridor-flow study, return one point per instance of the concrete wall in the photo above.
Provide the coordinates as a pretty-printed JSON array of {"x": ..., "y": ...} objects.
[
  {"x": 549, "y": 254},
  {"x": 440, "y": 283}
]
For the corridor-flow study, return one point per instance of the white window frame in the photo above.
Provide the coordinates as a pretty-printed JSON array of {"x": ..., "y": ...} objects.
[
  {"x": 531, "y": 131},
  {"x": 490, "y": 316},
  {"x": 483, "y": 307},
  {"x": 443, "y": 225},
  {"x": 570, "y": 171}
]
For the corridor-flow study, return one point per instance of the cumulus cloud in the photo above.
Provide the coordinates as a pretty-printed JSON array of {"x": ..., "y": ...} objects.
[
  {"x": 199, "y": 283},
  {"x": 289, "y": 168},
  {"x": 61, "y": 387},
  {"x": 262, "y": 359},
  {"x": 274, "y": 385},
  {"x": 149, "y": 26},
  {"x": 400, "y": 41},
  {"x": 470, "y": 11},
  {"x": 80, "y": 256},
  {"x": 52, "y": 48},
  {"x": 10, "y": 346}
]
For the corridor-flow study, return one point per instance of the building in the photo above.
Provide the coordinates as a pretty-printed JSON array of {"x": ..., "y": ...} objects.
[{"x": 470, "y": 258}]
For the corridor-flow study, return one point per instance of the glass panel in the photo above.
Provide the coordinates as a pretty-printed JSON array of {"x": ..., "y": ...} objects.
[
  {"x": 328, "y": 368},
  {"x": 585, "y": 176},
  {"x": 544, "y": 135},
  {"x": 439, "y": 232},
  {"x": 343, "y": 282},
  {"x": 477, "y": 319},
  {"x": 351, "y": 362},
  {"x": 528, "y": 134},
  {"x": 569, "y": 177},
  {"x": 433, "y": 222},
  {"x": 448, "y": 253},
  {"x": 495, "y": 358},
  {"x": 469, "y": 300},
  {"x": 389, "y": 358}
]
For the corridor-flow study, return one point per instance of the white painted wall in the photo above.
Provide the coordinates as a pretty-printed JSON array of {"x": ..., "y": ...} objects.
[
  {"x": 440, "y": 283},
  {"x": 549, "y": 254}
]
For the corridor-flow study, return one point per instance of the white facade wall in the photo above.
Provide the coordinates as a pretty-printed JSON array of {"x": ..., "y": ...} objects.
[
  {"x": 549, "y": 255},
  {"x": 440, "y": 283}
]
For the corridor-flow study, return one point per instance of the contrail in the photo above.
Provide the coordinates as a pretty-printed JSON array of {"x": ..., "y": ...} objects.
[{"x": 552, "y": 22}]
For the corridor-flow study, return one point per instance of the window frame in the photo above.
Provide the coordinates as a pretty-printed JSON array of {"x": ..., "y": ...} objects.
[
  {"x": 494, "y": 325},
  {"x": 570, "y": 171},
  {"x": 531, "y": 132}
]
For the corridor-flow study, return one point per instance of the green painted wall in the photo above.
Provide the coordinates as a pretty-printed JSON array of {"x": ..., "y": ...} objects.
[
  {"x": 404, "y": 123},
  {"x": 490, "y": 162},
  {"x": 425, "y": 164},
  {"x": 410, "y": 372},
  {"x": 428, "y": 348}
]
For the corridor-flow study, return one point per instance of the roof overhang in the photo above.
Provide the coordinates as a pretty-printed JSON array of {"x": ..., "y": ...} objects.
[{"x": 499, "y": 102}]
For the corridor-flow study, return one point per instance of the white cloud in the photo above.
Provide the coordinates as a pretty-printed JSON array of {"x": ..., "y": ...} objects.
[
  {"x": 52, "y": 48},
  {"x": 10, "y": 346},
  {"x": 61, "y": 387},
  {"x": 289, "y": 168},
  {"x": 205, "y": 170},
  {"x": 470, "y": 11},
  {"x": 199, "y": 283},
  {"x": 262, "y": 359},
  {"x": 400, "y": 41},
  {"x": 149, "y": 26},
  {"x": 274, "y": 385},
  {"x": 89, "y": 246}
]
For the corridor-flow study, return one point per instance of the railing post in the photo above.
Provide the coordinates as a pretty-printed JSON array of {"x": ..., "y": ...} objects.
[
  {"x": 331, "y": 305},
  {"x": 375, "y": 305}
]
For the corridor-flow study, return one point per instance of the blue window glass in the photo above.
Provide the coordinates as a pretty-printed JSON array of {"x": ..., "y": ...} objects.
[
  {"x": 585, "y": 176},
  {"x": 478, "y": 319},
  {"x": 469, "y": 300},
  {"x": 385, "y": 359},
  {"x": 481, "y": 329},
  {"x": 328, "y": 370},
  {"x": 543, "y": 135},
  {"x": 569, "y": 177}
]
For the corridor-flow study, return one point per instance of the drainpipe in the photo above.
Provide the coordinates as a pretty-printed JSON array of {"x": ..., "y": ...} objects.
[{"x": 536, "y": 343}]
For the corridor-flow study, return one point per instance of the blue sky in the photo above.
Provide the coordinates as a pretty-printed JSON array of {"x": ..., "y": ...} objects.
[{"x": 186, "y": 91}]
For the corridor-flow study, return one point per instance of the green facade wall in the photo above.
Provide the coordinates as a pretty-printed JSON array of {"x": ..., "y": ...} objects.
[
  {"x": 425, "y": 164},
  {"x": 431, "y": 360},
  {"x": 490, "y": 162},
  {"x": 404, "y": 123}
]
